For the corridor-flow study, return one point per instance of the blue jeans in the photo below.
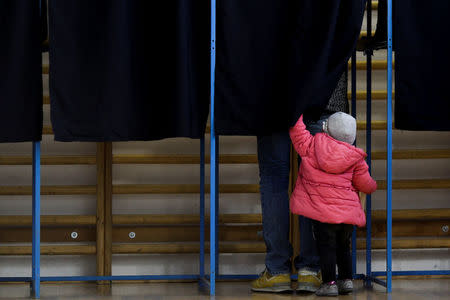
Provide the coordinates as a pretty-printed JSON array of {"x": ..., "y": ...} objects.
[{"x": 274, "y": 165}]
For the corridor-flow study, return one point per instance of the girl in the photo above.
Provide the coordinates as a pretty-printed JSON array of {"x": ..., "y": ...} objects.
[{"x": 331, "y": 174}]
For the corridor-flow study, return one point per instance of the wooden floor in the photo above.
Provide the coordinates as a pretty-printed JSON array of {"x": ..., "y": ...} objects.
[{"x": 403, "y": 290}]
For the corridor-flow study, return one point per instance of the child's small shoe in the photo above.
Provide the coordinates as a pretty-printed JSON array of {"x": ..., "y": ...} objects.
[
  {"x": 329, "y": 289},
  {"x": 345, "y": 286}
]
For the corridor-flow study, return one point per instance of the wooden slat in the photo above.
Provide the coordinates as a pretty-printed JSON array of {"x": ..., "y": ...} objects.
[
  {"x": 45, "y": 69},
  {"x": 376, "y": 95},
  {"x": 50, "y": 190},
  {"x": 182, "y": 159},
  {"x": 364, "y": 33},
  {"x": 47, "y": 130},
  {"x": 48, "y": 235},
  {"x": 254, "y": 188},
  {"x": 181, "y": 188},
  {"x": 183, "y": 219},
  {"x": 179, "y": 248},
  {"x": 184, "y": 233},
  {"x": 194, "y": 189},
  {"x": 413, "y": 214},
  {"x": 67, "y": 220},
  {"x": 50, "y": 250},
  {"x": 49, "y": 160},
  {"x": 190, "y": 233},
  {"x": 259, "y": 247},
  {"x": 376, "y": 125},
  {"x": 376, "y": 65},
  {"x": 413, "y": 154},
  {"x": 409, "y": 229},
  {"x": 108, "y": 208},
  {"x": 177, "y": 219},
  {"x": 408, "y": 243},
  {"x": 240, "y": 218},
  {"x": 155, "y": 219},
  {"x": 416, "y": 184},
  {"x": 377, "y": 216},
  {"x": 100, "y": 228}
]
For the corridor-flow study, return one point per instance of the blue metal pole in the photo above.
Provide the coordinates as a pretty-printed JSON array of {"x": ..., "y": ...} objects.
[
  {"x": 353, "y": 74},
  {"x": 217, "y": 206},
  {"x": 389, "y": 154},
  {"x": 415, "y": 273},
  {"x": 369, "y": 147},
  {"x": 202, "y": 208},
  {"x": 189, "y": 277},
  {"x": 36, "y": 246},
  {"x": 213, "y": 163}
]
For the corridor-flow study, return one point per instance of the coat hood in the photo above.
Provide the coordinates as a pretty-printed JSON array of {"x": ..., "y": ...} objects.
[{"x": 334, "y": 156}]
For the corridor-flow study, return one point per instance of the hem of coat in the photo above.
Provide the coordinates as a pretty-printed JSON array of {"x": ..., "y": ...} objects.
[
  {"x": 328, "y": 221},
  {"x": 21, "y": 140},
  {"x": 248, "y": 133},
  {"x": 64, "y": 138},
  {"x": 409, "y": 126}
]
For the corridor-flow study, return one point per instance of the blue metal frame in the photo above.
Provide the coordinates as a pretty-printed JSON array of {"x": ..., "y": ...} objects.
[
  {"x": 210, "y": 279},
  {"x": 369, "y": 54},
  {"x": 36, "y": 250},
  {"x": 389, "y": 154},
  {"x": 213, "y": 165},
  {"x": 353, "y": 111}
]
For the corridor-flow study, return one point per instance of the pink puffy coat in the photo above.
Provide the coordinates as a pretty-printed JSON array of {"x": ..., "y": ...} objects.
[{"x": 330, "y": 176}]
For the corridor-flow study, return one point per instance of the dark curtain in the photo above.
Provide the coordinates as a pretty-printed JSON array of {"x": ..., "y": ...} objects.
[
  {"x": 278, "y": 59},
  {"x": 422, "y": 61},
  {"x": 129, "y": 70},
  {"x": 21, "y": 71}
]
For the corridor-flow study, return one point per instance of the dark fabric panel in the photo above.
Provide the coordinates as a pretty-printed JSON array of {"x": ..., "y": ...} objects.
[
  {"x": 20, "y": 71},
  {"x": 422, "y": 61},
  {"x": 278, "y": 59},
  {"x": 129, "y": 70}
]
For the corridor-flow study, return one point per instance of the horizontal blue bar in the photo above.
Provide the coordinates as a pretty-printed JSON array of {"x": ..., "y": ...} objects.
[
  {"x": 15, "y": 279},
  {"x": 121, "y": 277},
  {"x": 152, "y": 277},
  {"x": 237, "y": 277},
  {"x": 413, "y": 273}
]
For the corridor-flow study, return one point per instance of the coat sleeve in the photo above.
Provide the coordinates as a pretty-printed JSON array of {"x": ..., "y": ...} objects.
[
  {"x": 301, "y": 137},
  {"x": 362, "y": 180}
]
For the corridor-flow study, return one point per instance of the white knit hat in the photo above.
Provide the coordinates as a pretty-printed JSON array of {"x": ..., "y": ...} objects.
[{"x": 341, "y": 126}]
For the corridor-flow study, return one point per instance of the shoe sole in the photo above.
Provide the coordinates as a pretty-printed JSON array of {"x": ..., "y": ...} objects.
[
  {"x": 274, "y": 289},
  {"x": 345, "y": 292},
  {"x": 306, "y": 287},
  {"x": 328, "y": 295}
]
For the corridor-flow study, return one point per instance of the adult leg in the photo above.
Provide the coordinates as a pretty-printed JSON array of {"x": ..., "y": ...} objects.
[
  {"x": 309, "y": 255},
  {"x": 274, "y": 166},
  {"x": 274, "y": 163}
]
